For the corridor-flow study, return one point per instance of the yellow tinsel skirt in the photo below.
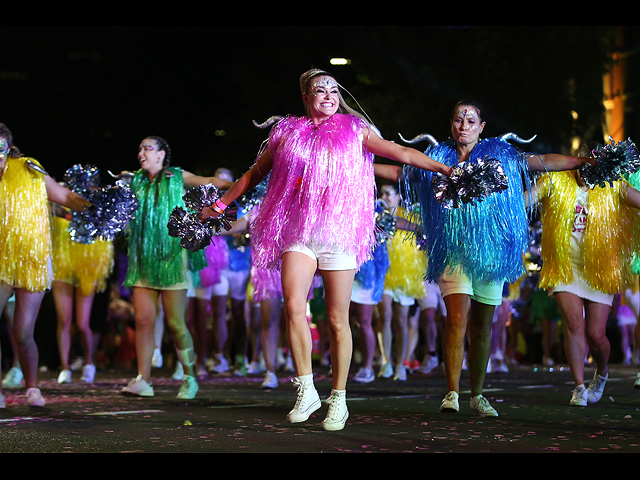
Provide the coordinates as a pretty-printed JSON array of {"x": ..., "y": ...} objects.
[
  {"x": 86, "y": 266},
  {"x": 408, "y": 266}
]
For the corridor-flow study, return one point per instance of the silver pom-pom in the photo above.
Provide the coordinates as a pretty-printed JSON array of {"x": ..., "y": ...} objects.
[
  {"x": 197, "y": 198},
  {"x": 470, "y": 182},
  {"x": 186, "y": 225},
  {"x": 194, "y": 236},
  {"x": 111, "y": 209},
  {"x": 613, "y": 162},
  {"x": 82, "y": 179},
  {"x": 385, "y": 226}
]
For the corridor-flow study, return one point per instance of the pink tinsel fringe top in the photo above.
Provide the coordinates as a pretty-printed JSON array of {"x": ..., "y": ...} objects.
[{"x": 321, "y": 190}]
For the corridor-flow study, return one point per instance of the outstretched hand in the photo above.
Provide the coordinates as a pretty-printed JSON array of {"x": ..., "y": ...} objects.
[{"x": 208, "y": 212}]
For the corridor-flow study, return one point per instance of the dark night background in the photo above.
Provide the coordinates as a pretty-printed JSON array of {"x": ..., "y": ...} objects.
[{"x": 90, "y": 94}]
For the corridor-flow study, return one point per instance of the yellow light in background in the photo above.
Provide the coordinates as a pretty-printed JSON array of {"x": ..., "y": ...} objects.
[
  {"x": 576, "y": 143},
  {"x": 340, "y": 61}
]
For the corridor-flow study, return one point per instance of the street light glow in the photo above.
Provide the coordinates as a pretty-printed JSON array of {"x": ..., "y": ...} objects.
[{"x": 340, "y": 61}]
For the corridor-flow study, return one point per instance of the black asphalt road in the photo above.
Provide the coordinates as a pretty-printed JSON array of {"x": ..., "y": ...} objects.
[{"x": 233, "y": 415}]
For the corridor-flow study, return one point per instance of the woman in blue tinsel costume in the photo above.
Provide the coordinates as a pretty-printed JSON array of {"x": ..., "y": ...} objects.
[{"x": 474, "y": 247}]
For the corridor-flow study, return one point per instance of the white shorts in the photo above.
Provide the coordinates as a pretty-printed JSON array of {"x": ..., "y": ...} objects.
[
  {"x": 454, "y": 280},
  {"x": 201, "y": 293},
  {"x": 363, "y": 296},
  {"x": 325, "y": 257},
  {"x": 432, "y": 298},
  {"x": 400, "y": 297},
  {"x": 231, "y": 283}
]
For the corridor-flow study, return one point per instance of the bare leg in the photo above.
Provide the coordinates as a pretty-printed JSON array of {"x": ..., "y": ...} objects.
[
  {"x": 298, "y": 270},
  {"x": 401, "y": 330},
  {"x": 145, "y": 303},
  {"x": 364, "y": 314},
  {"x": 24, "y": 321},
  {"x": 548, "y": 333},
  {"x": 174, "y": 303},
  {"x": 596, "y": 315},
  {"x": 413, "y": 329},
  {"x": 386, "y": 305},
  {"x": 5, "y": 295},
  {"x": 480, "y": 323},
  {"x": 219, "y": 312},
  {"x": 575, "y": 344},
  {"x": 239, "y": 330},
  {"x": 270, "y": 316},
  {"x": 430, "y": 329},
  {"x": 338, "y": 285},
  {"x": 453, "y": 338},
  {"x": 201, "y": 311},
  {"x": 83, "y": 304},
  {"x": 63, "y": 299}
]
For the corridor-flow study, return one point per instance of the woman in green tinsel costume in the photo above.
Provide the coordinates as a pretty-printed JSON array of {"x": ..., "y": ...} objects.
[{"x": 159, "y": 268}]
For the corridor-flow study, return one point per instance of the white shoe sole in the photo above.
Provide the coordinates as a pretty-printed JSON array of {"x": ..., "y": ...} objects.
[
  {"x": 304, "y": 416},
  {"x": 335, "y": 426}
]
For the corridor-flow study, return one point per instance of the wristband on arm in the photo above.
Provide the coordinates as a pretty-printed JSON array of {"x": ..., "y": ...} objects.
[{"x": 218, "y": 206}]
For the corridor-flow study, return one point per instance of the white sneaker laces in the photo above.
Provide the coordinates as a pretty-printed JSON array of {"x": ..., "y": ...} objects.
[
  {"x": 334, "y": 404},
  {"x": 301, "y": 388}
]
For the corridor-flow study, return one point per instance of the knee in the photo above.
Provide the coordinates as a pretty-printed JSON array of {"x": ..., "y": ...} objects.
[
  {"x": 23, "y": 339},
  {"x": 574, "y": 325},
  {"x": 144, "y": 321},
  {"x": 294, "y": 309},
  {"x": 338, "y": 324},
  {"x": 597, "y": 338}
]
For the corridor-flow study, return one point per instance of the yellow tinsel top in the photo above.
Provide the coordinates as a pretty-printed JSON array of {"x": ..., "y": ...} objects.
[
  {"x": 25, "y": 238},
  {"x": 611, "y": 237},
  {"x": 408, "y": 265}
]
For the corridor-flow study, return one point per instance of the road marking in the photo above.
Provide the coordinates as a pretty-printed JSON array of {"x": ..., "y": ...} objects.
[
  {"x": 241, "y": 406},
  {"x": 129, "y": 412},
  {"x": 17, "y": 419}
]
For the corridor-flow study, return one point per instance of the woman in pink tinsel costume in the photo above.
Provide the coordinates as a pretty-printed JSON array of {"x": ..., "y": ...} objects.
[{"x": 317, "y": 217}]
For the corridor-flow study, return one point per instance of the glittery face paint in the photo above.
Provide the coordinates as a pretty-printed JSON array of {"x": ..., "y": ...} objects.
[
  {"x": 149, "y": 156},
  {"x": 4, "y": 148},
  {"x": 323, "y": 99},
  {"x": 325, "y": 83},
  {"x": 4, "y": 152},
  {"x": 466, "y": 113},
  {"x": 466, "y": 126}
]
